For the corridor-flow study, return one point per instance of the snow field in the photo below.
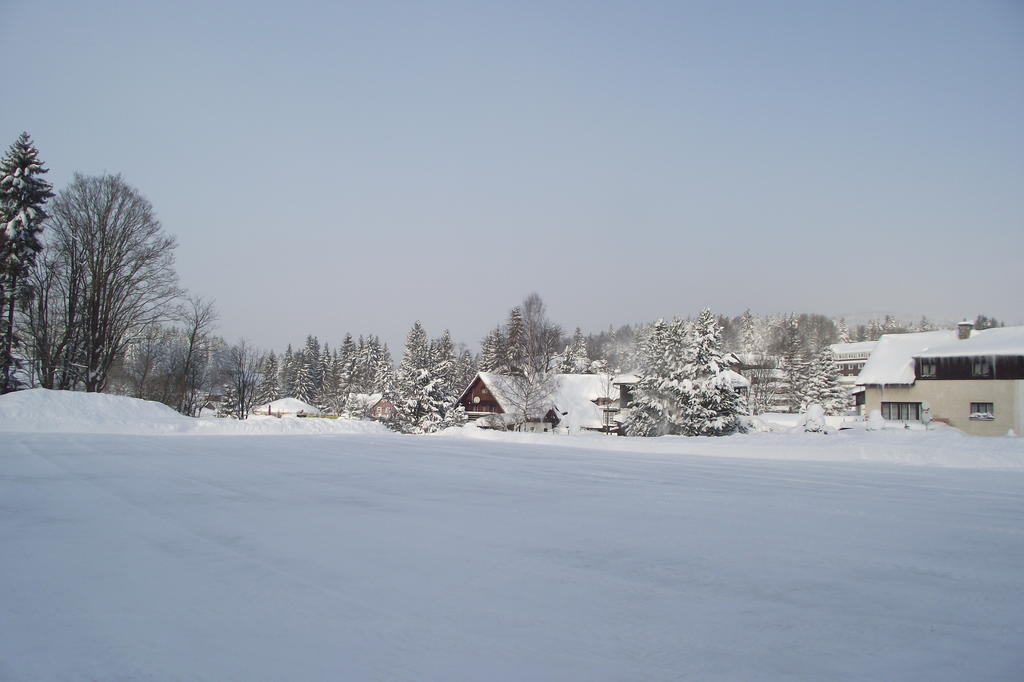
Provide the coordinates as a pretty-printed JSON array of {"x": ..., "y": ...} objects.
[{"x": 473, "y": 555}]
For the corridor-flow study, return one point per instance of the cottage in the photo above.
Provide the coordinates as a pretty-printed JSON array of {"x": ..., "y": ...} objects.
[
  {"x": 970, "y": 379},
  {"x": 567, "y": 403},
  {"x": 370, "y": 405}
]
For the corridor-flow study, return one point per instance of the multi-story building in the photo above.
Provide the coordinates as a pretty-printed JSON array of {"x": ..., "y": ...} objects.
[{"x": 973, "y": 380}]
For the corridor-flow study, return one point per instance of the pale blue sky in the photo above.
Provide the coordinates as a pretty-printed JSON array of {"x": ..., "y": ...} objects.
[{"x": 335, "y": 166}]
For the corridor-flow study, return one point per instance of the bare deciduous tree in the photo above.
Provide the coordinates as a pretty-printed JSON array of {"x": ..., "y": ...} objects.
[
  {"x": 111, "y": 275},
  {"x": 242, "y": 376},
  {"x": 528, "y": 397},
  {"x": 198, "y": 317},
  {"x": 543, "y": 337}
]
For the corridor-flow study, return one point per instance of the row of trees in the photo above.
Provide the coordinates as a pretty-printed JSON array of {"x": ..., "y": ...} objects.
[{"x": 89, "y": 296}]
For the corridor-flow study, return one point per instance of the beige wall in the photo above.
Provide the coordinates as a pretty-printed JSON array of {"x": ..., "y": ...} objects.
[{"x": 951, "y": 401}]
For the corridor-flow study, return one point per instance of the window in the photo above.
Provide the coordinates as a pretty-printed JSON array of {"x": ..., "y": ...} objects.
[
  {"x": 901, "y": 411},
  {"x": 981, "y": 367},
  {"x": 983, "y": 411},
  {"x": 928, "y": 367}
]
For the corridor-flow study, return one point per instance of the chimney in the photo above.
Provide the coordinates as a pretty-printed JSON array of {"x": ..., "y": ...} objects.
[{"x": 964, "y": 329}]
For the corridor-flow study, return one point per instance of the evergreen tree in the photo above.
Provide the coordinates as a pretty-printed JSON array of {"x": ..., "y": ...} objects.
[
  {"x": 515, "y": 344},
  {"x": 657, "y": 397},
  {"x": 492, "y": 352},
  {"x": 710, "y": 404},
  {"x": 269, "y": 389},
  {"x": 465, "y": 370},
  {"x": 346, "y": 368},
  {"x": 441, "y": 410},
  {"x": 307, "y": 372},
  {"x": 842, "y": 331},
  {"x": 328, "y": 380},
  {"x": 749, "y": 333},
  {"x": 23, "y": 196},
  {"x": 823, "y": 387},
  {"x": 288, "y": 369},
  {"x": 414, "y": 380},
  {"x": 793, "y": 365},
  {"x": 575, "y": 360}
]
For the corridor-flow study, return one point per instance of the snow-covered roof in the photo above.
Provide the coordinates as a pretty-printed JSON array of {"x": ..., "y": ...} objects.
[
  {"x": 364, "y": 400},
  {"x": 626, "y": 378},
  {"x": 989, "y": 342},
  {"x": 863, "y": 348},
  {"x": 572, "y": 397},
  {"x": 286, "y": 406},
  {"x": 499, "y": 385},
  {"x": 892, "y": 361},
  {"x": 737, "y": 380}
]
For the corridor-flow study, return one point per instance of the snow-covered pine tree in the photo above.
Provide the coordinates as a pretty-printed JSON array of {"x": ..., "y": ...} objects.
[
  {"x": 286, "y": 384},
  {"x": 346, "y": 369},
  {"x": 307, "y": 371},
  {"x": 748, "y": 333},
  {"x": 793, "y": 364},
  {"x": 711, "y": 406},
  {"x": 440, "y": 406},
  {"x": 515, "y": 344},
  {"x": 842, "y": 331},
  {"x": 492, "y": 352},
  {"x": 575, "y": 359},
  {"x": 23, "y": 197},
  {"x": 823, "y": 387},
  {"x": 657, "y": 398},
  {"x": 328, "y": 381},
  {"x": 269, "y": 390},
  {"x": 414, "y": 380},
  {"x": 465, "y": 370}
]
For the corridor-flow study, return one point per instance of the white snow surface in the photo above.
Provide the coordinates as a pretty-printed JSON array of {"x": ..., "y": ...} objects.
[
  {"x": 853, "y": 348},
  {"x": 984, "y": 342},
  {"x": 892, "y": 361},
  {"x": 478, "y": 555},
  {"x": 41, "y": 410}
]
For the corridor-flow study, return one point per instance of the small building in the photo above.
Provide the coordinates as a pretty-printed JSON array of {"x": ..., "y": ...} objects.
[
  {"x": 570, "y": 403},
  {"x": 972, "y": 380},
  {"x": 370, "y": 406},
  {"x": 850, "y": 359}
]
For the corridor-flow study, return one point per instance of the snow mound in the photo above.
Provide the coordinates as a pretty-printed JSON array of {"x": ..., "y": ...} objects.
[
  {"x": 286, "y": 406},
  {"x": 937, "y": 446},
  {"x": 43, "y": 411}
]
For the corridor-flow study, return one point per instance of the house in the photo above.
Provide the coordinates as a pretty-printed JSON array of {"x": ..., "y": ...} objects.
[
  {"x": 972, "y": 380},
  {"x": 570, "y": 403},
  {"x": 850, "y": 359},
  {"x": 370, "y": 405}
]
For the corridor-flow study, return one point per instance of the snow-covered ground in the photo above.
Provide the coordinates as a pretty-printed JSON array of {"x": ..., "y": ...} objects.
[{"x": 128, "y": 554}]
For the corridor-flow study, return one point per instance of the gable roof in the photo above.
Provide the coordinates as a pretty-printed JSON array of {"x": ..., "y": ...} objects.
[
  {"x": 892, "y": 361},
  {"x": 852, "y": 348},
  {"x": 572, "y": 397},
  {"x": 989, "y": 342}
]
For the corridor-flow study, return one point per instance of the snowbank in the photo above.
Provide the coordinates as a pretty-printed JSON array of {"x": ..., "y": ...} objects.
[
  {"x": 939, "y": 446},
  {"x": 43, "y": 411}
]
